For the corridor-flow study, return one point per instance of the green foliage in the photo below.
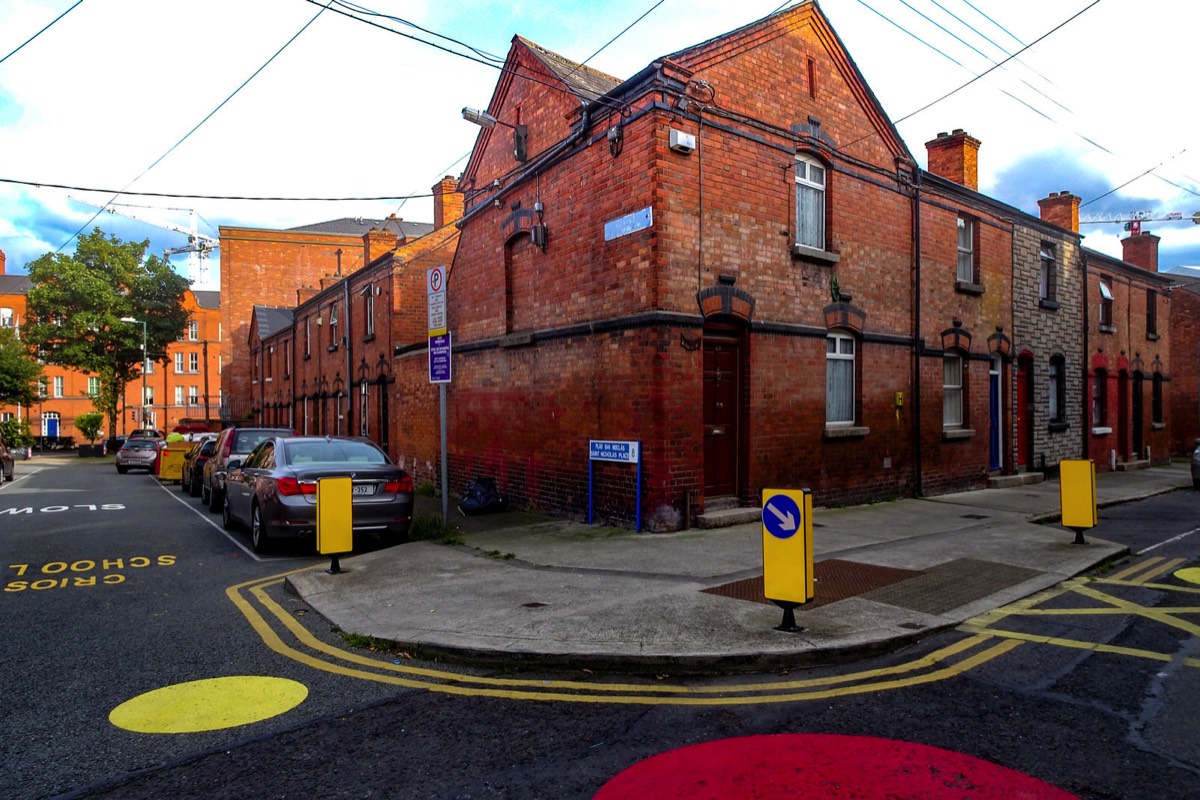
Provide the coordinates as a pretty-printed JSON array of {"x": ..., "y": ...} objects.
[
  {"x": 77, "y": 303},
  {"x": 429, "y": 527},
  {"x": 16, "y": 432},
  {"x": 19, "y": 371},
  {"x": 89, "y": 425},
  {"x": 427, "y": 489}
]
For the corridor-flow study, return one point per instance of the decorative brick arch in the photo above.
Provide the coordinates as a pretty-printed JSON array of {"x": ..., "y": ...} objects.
[
  {"x": 955, "y": 338},
  {"x": 725, "y": 301},
  {"x": 845, "y": 316}
]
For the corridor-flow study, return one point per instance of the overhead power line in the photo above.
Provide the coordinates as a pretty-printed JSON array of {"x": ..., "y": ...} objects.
[
  {"x": 182, "y": 195},
  {"x": 39, "y": 33}
]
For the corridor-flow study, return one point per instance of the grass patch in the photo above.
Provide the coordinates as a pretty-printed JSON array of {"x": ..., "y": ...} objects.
[
  {"x": 427, "y": 489},
  {"x": 429, "y": 528},
  {"x": 496, "y": 554},
  {"x": 385, "y": 647}
]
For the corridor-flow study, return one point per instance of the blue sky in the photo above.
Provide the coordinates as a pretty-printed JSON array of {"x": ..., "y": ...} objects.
[{"x": 347, "y": 110}]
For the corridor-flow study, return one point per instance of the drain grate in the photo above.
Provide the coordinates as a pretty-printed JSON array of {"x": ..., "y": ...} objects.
[
  {"x": 833, "y": 579},
  {"x": 952, "y": 584}
]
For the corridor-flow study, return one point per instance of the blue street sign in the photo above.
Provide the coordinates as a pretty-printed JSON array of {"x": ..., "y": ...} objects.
[
  {"x": 439, "y": 358},
  {"x": 623, "y": 452},
  {"x": 781, "y": 516}
]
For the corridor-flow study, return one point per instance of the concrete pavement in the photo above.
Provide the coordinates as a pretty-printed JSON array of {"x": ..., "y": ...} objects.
[{"x": 529, "y": 588}]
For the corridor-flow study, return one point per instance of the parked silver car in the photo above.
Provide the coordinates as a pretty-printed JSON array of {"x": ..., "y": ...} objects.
[
  {"x": 274, "y": 491},
  {"x": 137, "y": 454}
]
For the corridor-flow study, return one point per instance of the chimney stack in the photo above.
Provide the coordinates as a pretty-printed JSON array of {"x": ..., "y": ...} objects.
[
  {"x": 955, "y": 157},
  {"x": 3, "y": 258},
  {"x": 1061, "y": 209},
  {"x": 447, "y": 202},
  {"x": 304, "y": 294},
  {"x": 1141, "y": 250},
  {"x": 377, "y": 242}
]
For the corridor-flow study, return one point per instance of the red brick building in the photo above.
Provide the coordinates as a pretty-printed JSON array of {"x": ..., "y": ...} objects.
[
  {"x": 182, "y": 385},
  {"x": 266, "y": 267},
  {"x": 1185, "y": 363},
  {"x": 327, "y": 363},
  {"x": 738, "y": 265}
]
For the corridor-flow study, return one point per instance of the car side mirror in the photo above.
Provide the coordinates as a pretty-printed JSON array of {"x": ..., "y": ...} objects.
[{"x": 234, "y": 463}]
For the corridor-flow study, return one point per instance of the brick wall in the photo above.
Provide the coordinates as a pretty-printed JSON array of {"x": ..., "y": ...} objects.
[{"x": 1185, "y": 369}]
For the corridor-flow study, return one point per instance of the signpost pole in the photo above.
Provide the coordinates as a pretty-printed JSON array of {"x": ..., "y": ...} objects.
[{"x": 445, "y": 469}]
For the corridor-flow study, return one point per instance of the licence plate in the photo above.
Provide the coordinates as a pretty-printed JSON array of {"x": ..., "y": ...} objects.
[{"x": 363, "y": 488}]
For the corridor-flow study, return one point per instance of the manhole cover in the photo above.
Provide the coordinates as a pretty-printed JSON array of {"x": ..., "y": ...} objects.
[{"x": 833, "y": 579}]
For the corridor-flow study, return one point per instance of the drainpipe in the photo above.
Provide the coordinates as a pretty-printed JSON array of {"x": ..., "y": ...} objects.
[
  {"x": 918, "y": 341},
  {"x": 349, "y": 345}
]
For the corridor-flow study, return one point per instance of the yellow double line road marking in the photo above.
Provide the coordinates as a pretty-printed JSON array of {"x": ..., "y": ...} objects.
[
  {"x": 1136, "y": 575},
  {"x": 945, "y": 663}
]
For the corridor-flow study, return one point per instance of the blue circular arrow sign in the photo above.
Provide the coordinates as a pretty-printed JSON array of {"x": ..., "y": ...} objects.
[{"x": 781, "y": 516}]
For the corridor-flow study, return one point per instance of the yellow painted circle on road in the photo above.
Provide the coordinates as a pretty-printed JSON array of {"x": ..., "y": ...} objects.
[
  {"x": 208, "y": 705},
  {"x": 1191, "y": 574}
]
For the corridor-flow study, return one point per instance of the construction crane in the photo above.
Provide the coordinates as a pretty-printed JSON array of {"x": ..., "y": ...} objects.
[
  {"x": 198, "y": 247},
  {"x": 1133, "y": 220}
]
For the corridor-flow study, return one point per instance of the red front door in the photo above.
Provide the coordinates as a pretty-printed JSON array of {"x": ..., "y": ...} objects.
[
  {"x": 1024, "y": 412},
  {"x": 722, "y": 413}
]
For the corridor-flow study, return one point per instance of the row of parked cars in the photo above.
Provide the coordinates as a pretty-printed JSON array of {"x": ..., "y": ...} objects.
[{"x": 265, "y": 479}]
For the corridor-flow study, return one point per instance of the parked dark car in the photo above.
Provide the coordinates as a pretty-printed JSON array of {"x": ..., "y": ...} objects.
[
  {"x": 274, "y": 491},
  {"x": 6, "y": 461},
  {"x": 231, "y": 443},
  {"x": 137, "y": 454},
  {"x": 193, "y": 463}
]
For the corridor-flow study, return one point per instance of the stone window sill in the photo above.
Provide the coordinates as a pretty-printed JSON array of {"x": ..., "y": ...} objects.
[
  {"x": 955, "y": 434},
  {"x": 1157, "y": 426},
  {"x": 964, "y": 287},
  {"x": 1049, "y": 305},
  {"x": 1108, "y": 328},
  {"x": 1152, "y": 337},
  {"x": 370, "y": 337},
  {"x": 1101, "y": 431},
  {"x": 1059, "y": 427},
  {"x": 846, "y": 431},
  {"x": 806, "y": 253}
]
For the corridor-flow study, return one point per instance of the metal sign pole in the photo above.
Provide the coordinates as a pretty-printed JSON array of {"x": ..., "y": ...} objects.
[{"x": 445, "y": 469}]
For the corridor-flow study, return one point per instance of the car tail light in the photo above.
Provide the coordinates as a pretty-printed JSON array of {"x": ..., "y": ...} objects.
[
  {"x": 399, "y": 486},
  {"x": 291, "y": 486},
  {"x": 225, "y": 448}
]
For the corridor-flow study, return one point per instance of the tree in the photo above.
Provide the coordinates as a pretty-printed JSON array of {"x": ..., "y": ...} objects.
[
  {"x": 77, "y": 303},
  {"x": 19, "y": 371},
  {"x": 89, "y": 425}
]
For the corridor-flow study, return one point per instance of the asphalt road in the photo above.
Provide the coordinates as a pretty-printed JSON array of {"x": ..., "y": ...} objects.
[{"x": 1088, "y": 690}]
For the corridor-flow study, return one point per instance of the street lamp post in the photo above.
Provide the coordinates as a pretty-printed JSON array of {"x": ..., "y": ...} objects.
[{"x": 144, "y": 357}]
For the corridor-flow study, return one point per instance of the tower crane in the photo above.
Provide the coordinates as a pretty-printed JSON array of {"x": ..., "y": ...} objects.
[
  {"x": 1133, "y": 220},
  {"x": 198, "y": 247}
]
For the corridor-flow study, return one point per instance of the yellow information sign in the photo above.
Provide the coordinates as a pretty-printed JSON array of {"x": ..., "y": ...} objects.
[
  {"x": 335, "y": 526},
  {"x": 787, "y": 545},
  {"x": 1077, "y": 495}
]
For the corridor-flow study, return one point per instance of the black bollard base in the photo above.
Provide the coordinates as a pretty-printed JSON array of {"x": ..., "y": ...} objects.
[
  {"x": 1079, "y": 537},
  {"x": 789, "y": 618},
  {"x": 335, "y": 568}
]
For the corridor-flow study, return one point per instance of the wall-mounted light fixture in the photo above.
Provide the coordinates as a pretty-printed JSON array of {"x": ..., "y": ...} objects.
[{"x": 485, "y": 120}]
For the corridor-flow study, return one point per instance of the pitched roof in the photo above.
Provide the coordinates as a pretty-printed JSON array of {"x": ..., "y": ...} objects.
[
  {"x": 15, "y": 284},
  {"x": 583, "y": 81},
  {"x": 358, "y": 226},
  {"x": 271, "y": 319},
  {"x": 207, "y": 299}
]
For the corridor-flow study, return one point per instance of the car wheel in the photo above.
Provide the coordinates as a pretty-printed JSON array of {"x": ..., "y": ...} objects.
[
  {"x": 184, "y": 486},
  {"x": 9, "y": 477},
  {"x": 258, "y": 536},
  {"x": 194, "y": 487},
  {"x": 214, "y": 500},
  {"x": 204, "y": 493},
  {"x": 227, "y": 515},
  {"x": 122, "y": 470}
]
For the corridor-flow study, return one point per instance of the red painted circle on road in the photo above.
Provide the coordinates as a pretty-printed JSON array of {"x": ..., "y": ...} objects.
[{"x": 791, "y": 766}]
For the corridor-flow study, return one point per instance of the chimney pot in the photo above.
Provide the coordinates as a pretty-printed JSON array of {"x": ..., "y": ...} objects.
[{"x": 955, "y": 157}]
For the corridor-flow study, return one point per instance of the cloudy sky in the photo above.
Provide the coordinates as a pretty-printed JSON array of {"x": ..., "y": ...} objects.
[{"x": 104, "y": 100}]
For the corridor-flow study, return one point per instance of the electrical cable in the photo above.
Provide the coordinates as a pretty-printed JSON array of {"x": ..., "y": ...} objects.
[
  {"x": 209, "y": 116},
  {"x": 645, "y": 14},
  {"x": 39, "y": 33},
  {"x": 180, "y": 195}
]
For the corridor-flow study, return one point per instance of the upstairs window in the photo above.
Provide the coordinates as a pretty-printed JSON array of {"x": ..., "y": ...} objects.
[
  {"x": 1106, "y": 303},
  {"x": 1048, "y": 275},
  {"x": 58, "y": 386},
  {"x": 1151, "y": 312},
  {"x": 810, "y": 203},
  {"x": 93, "y": 387},
  {"x": 1100, "y": 398},
  {"x": 966, "y": 250},
  {"x": 193, "y": 362},
  {"x": 178, "y": 363},
  {"x": 193, "y": 330},
  {"x": 8, "y": 319},
  {"x": 369, "y": 309}
]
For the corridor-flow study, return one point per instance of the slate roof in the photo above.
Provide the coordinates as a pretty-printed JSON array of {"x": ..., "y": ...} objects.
[
  {"x": 271, "y": 319},
  {"x": 207, "y": 299},
  {"x": 15, "y": 284},
  {"x": 358, "y": 226},
  {"x": 583, "y": 81}
]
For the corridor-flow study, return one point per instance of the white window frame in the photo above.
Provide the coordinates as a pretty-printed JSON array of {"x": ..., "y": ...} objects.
[
  {"x": 193, "y": 395},
  {"x": 1047, "y": 276},
  {"x": 840, "y": 350},
  {"x": 93, "y": 386},
  {"x": 193, "y": 363},
  {"x": 8, "y": 318},
  {"x": 179, "y": 363},
  {"x": 364, "y": 423},
  {"x": 811, "y": 184},
  {"x": 58, "y": 385},
  {"x": 193, "y": 330},
  {"x": 178, "y": 395},
  {"x": 953, "y": 378},
  {"x": 966, "y": 250}
]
